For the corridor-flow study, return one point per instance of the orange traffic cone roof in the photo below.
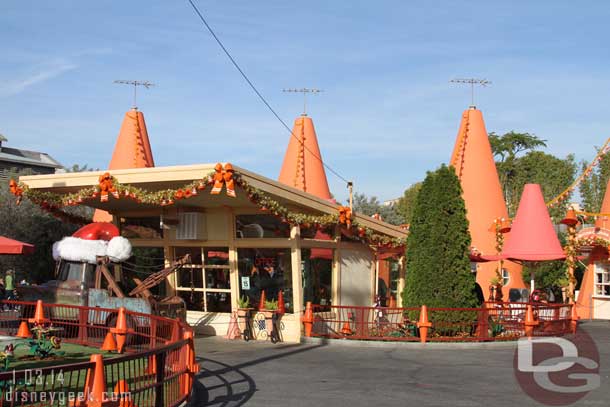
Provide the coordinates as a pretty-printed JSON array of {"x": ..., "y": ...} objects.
[
  {"x": 302, "y": 167},
  {"x": 603, "y": 222},
  {"x": 132, "y": 150},
  {"x": 474, "y": 164}
]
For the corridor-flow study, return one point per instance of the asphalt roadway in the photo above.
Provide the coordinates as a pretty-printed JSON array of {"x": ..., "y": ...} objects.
[{"x": 351, "y": 374}]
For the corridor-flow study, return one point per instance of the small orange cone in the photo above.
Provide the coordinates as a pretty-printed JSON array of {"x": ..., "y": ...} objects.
[
  {"x": 233, "y": 331},
  {"x": 424, "y": 324},
  {"x": 151, "y": 368},
  {"x": 574, "y": 319},
  {"x": 109, "y": 344},
  {"x": 308, "y": 319},
  {"x": 120, "y": 330},
  {"x": 261, "y": 303},
  {"x": 530, "y": 322},
  {"x": 121, "y": 390},
  {"x": 39, "y": 318},
  {"x": 346, "y": 330},
  {"x": 24, "y": 330},
  {"x": 281, "y": 306}
]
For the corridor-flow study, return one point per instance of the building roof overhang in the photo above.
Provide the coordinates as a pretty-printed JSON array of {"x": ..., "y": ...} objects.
[{"x": 159, "y": 178}]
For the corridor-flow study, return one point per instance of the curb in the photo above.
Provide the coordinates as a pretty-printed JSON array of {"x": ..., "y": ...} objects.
[{"x": 350, "y": 343}]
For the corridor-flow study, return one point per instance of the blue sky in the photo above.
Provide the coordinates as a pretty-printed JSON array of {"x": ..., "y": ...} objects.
[{"x": 388, "y": 112}]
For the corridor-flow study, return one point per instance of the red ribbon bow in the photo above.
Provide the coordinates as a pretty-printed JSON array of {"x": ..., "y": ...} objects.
[
  {"x": 345, "y": 216},
  {"x": 16, "y": 190},
  {"x": 223, "y": 176},
  {"x": 107, "y": 186}
]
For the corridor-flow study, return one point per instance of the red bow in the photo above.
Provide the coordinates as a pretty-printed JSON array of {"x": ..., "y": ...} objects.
[
  {"x": 223, "y": 176},
  {"x": 107, "y": 186},
  {"x": 16, "y": 190},
  {"x": 345, "y": 216}
]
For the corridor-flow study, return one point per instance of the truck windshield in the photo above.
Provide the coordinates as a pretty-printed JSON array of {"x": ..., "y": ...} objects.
[{"x": 70, "y": 271}]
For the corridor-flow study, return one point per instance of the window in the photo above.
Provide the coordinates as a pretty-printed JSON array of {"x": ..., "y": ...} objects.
[
  {"x": 260, "y": 226},
  {"x": 602, "y": 279},
  {"x": 205, "y": 283},
  {"x": 268, "y": 270},
  {"x": 317, "y": 266},
  {"x": 505, "y": 277}
]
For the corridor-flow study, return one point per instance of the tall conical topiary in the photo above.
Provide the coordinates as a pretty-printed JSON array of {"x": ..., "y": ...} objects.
[{"x": 438, "y": 264}]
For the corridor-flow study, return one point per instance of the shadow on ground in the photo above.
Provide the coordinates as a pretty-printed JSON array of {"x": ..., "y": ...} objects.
[{"x": 228, "y": 385}]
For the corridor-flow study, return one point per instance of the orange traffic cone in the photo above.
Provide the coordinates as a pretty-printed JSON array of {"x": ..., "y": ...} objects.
[
  {"x": 308, "y": 319},
  {"x": 281, "y": 306},
  {"x": 530, "y": 322},
  {"x": 151, "y": 368},
  {"x": 261, "y": 303},
  {"x": 346, "y": 330},
  {"x": 121, "y": 390},
  {"x": 574, "y": 319},
  {"x": 424, "y": 324},
  {"x": 39, "y": 318},
  {"x": 95, "y": 383},
  {"x": 109, "y": 344},
  {"x": 120, "y": 330},
  {"x": 233, "y": 331},
  {"x": 24, "y": 330}
]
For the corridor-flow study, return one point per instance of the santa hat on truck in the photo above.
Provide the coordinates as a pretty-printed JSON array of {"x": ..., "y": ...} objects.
[{"x": 92, "y": 240}]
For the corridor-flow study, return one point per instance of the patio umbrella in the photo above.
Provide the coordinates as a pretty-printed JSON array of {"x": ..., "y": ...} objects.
[
  {"x": 532, "y": 238},
  {"x": 10, "y": 246}
]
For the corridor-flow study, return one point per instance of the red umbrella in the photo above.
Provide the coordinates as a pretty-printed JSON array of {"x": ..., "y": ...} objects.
[
  {"x": 532, "y": 237},
  {"x": 10, "y": 246}
]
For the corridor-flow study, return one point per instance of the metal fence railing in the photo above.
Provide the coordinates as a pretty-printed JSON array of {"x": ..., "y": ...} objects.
[
  {"x": 156, "y": 370},
  {"x": 491, "y": 322}
]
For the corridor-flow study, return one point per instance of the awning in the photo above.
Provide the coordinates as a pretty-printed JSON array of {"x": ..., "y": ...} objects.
[{"x": 10, "y": 246}]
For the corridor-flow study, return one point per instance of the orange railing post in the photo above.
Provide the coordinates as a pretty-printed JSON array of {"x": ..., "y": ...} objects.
[
  {"x": 530, "y": 321},
  {"x": 308, "y": 319},
  {"x": 424, "y": 324},
  {"x": 95, "y": 383}
]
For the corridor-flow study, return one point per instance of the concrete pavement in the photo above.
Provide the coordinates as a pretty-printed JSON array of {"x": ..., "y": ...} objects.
[{"x": 323, "y": 373}]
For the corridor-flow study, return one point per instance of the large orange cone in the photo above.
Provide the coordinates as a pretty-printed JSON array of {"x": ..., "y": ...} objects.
[
  {"x": 120, "y": 330},
  {"x": 109, "y": 344},
  {"x": 346, "y": 329},
  {"x": 24, "y": 330},
  {"x": 261, "y": 303},
  {"x": 233, "y": 331},
  {"x": 308, "y": 319},
  {"x": 424, "y": 324},
  {"x": 95, "y": 383},
  {"x": 302, "y": 167},
  {"x": 39, "y": 318},
  {"x": 574, "y": 319}
]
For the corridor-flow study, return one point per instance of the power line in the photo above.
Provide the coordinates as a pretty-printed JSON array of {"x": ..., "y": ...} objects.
[{"x": 260, "y": 96}]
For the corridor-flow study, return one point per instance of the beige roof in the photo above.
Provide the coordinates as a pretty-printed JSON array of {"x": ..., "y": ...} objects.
[{"x": 157, "y": 178}]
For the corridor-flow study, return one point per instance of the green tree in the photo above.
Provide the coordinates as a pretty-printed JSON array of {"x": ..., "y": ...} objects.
[
  {"x": 438, "y": 265},
  {"x": 593, "y": 188},
  {"x": 506, "y": 149},
  {"x": 370, "y": 206},
  {"x": 553, "y": 174},
  {"x": 406, "y": 204}
]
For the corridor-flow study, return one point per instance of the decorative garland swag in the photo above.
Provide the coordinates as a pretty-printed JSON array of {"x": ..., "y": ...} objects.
[{"x": 222, "y": 177}]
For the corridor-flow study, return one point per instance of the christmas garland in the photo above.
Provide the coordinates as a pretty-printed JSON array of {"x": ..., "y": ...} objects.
[{"x": 222, "y": 176}]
